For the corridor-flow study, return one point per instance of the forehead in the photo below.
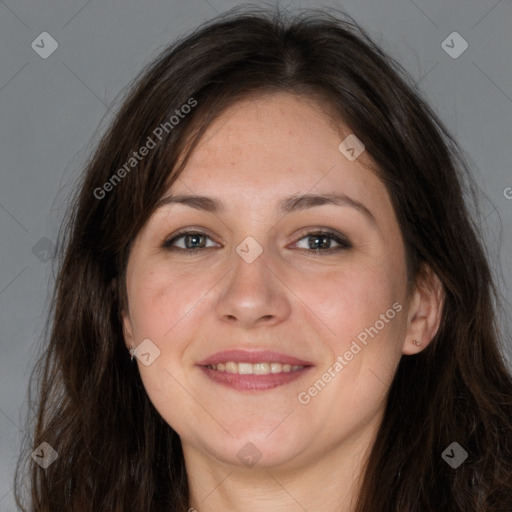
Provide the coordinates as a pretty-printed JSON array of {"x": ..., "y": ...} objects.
[
  {"x": 268, "y": 147},
  {"x": 271, "y": 146}
]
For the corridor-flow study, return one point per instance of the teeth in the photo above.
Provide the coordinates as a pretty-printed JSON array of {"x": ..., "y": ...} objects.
[
  {"x": 245, "y": 368},
  {"x": 230, "y": 367},
  {"x": 261, "y": 368},
  {"x": 253, "y": 369}
]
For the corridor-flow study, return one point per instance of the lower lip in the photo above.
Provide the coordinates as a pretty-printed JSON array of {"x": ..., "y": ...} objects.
[{"x": 254, "y": 382}]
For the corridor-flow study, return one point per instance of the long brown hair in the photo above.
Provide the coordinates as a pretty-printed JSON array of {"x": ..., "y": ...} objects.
[{"x": 115, "y": 452}]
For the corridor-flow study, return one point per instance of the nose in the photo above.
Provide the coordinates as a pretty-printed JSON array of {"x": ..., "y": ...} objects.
[{"x": 253, "y": 294}]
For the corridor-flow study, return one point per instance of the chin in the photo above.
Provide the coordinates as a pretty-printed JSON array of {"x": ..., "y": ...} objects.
[{"x": 258, "y": 449}]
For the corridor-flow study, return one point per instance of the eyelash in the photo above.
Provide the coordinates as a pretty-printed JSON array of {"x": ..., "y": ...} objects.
[{"x": 344, "y": 244}]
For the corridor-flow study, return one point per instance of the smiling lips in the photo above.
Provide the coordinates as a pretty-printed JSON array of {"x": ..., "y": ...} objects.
[{"x": 255, "y": 370}]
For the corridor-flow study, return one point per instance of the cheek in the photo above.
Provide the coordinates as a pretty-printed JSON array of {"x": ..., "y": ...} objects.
[
  {"x": 161, "y": 299},
  {"x": 163, "y": 307},
  {"x": 363, "y": 309},
  {"x": 351, "y": 299}
]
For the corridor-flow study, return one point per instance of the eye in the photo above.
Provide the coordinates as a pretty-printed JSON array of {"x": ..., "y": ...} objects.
[
  {"x": 192, "y": 241},
  {"x": 321, "y": 242}
]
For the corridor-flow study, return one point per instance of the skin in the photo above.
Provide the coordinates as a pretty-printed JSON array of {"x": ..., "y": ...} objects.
[{"x": 309, "y": 306}]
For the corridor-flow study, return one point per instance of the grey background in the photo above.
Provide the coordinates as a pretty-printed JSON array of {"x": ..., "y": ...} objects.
[{"x": 54, "y": 109}]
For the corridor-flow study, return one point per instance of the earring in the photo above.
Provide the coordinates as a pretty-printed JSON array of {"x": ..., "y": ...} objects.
[
  {"x": 132, "y": 352},
  {"x": 416, "y": 342}
]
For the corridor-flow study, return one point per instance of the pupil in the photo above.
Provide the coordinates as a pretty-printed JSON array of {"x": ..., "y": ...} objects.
[
  {"x": 316, "y": 239},
  {"x": 195, "y": 238}
]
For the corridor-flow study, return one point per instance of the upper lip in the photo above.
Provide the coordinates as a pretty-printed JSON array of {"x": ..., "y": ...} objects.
[{"x": 254, "y": 356}]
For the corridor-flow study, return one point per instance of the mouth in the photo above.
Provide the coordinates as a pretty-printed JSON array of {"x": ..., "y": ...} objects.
[{"x": 253, "y": 371}]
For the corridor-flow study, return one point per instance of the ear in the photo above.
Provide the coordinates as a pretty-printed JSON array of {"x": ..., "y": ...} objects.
[
  {"x": 127, "y": 329},
  {"x": 425, "y": 311}
]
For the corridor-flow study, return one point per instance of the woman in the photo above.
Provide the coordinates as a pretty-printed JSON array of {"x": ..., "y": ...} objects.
[{"x": 272, "y": 295}]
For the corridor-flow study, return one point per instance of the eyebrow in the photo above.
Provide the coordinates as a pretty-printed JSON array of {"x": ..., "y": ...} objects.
[{"x": 287, "y": 205}]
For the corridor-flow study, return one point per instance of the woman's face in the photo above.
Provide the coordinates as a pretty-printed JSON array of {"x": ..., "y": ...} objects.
[{"x": 249, "y": 279}]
